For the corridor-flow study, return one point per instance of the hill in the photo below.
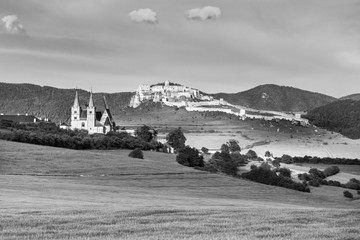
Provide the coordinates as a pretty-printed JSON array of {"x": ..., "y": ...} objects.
[
  {"x": 355, "y": 97},
  {"x": 53, "y": 103},
  {"x": 340, "y": 116},
  {"x": 51, "y": 193},
  {"x": 276, "y": 98}
]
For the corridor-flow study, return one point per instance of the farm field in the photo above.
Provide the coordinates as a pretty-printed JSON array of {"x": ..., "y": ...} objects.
[
  {"x": 212, "y": 129},
  {"x": 53, "y": 193}
]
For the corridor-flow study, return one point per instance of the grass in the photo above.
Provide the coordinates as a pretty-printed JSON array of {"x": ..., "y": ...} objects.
[
  {"x": 181, "y": 224},
  {"x": 52, "y": 193}
]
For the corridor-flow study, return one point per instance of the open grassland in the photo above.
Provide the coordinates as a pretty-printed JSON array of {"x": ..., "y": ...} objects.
[
  {"x": 181, "y": 224},
  {"x": 52, "y": 193}
]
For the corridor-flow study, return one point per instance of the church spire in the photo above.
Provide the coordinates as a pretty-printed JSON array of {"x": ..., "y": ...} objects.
[
  {"x": 106, "y": 105},
  {"x": 76, "y": 101},
  {"x": 91, "y": 103}
]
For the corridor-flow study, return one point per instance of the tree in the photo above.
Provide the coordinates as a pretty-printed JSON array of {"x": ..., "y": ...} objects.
[
  {"x": 176, "y": 139},
  {"x": 205, "y": 150},
  {"x": 233, "y": 145},
  {"x": 223, "y": 162},
  {"x": 287, "y": 159},
  {"x": 268, "y": 154},
  {"x": 348, "y": 194},
  {"x": 190, "y": 157},
  {"x": 251, "y": 154},
  {"x": 145, "y": 133},
  {"x": 225, "y": 149}
]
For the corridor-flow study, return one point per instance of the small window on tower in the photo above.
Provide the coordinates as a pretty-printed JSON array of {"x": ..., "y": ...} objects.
[
  {"x": 75, "y": 111},
  {"x": 75, "y": 118},
  {"x": 83, "y": 124},
  {"x": 90, "y": 112}
]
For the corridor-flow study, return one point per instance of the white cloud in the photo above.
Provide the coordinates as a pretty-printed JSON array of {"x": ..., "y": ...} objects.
[
  {"x": 205, "y": 13},
  {"x": 11, "y": 25},
  {"x": 143, "y": 15}
]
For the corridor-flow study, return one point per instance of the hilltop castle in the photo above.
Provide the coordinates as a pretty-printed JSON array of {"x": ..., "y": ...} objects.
[
  {"x": 90, "y": 119},
  {"x": 167, "y": 93}
]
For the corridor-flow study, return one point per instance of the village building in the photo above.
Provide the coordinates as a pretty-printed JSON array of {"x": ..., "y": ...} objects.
[
  {"x": 89, "y": 119},
  {"x": 22, "y": 119}
]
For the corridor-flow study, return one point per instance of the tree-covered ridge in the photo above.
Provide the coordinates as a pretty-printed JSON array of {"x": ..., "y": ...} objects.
[
  {"x": 340, "y": 116},
  {"x": 277, "y": 98},
  {"x": 53, "y": 103}
]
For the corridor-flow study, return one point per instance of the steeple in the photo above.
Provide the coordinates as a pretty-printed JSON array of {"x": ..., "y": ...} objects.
[
  {"x": 91, "y": 103},
  {"x": 76, "y": 101},
  {"x": 106, "y": 105}
]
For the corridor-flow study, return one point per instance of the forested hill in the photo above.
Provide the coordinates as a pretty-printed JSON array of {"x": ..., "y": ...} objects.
[
  {"x": 277, "y": 98},
  {"x": 53, "y": 103},
  {"x": 355, "y": 97},
  {"x": 341, "y": 116}
]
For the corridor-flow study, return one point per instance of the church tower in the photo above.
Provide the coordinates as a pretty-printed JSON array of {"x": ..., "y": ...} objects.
[
  {"x": 75, "y": 111},
  {"x": 91, "y": 115}
]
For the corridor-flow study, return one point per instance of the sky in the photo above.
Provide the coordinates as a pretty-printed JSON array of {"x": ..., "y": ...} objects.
[{"x": 212, "y": 45}]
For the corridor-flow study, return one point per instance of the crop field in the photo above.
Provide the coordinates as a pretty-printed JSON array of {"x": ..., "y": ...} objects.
[{"x": 53, "y": 193}]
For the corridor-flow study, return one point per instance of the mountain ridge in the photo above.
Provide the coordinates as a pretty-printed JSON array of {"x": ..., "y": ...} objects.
[
  {"x": 277, "y": 98},
  {"x": 55, "y": 103}
]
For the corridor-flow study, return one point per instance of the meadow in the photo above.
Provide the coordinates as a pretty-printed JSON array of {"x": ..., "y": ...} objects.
[{"x": 52, "y": 193}]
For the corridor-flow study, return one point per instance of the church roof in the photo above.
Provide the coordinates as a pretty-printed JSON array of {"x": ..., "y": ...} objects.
[{"x": 76, "y": 101}]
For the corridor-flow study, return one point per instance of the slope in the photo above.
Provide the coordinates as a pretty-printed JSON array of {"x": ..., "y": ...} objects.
[
  {"x": 277, "y": 98},
  {"x": 50, "y": 102}
]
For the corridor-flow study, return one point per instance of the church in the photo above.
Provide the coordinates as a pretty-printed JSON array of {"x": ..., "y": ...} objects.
[{"x": 89, "y": 119}]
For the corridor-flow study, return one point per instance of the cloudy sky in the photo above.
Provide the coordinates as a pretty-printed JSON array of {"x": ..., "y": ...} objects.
[{"x": 223, "y": 45}]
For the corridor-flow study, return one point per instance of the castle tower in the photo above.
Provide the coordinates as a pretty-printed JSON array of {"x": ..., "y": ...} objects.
[
  {"x": 75, "y": 110},
  {"x": 91, "y": 114}
]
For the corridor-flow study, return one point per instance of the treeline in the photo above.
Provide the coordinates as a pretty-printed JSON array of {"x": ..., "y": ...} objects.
[
  {"x": 340, "y": 116},
  {"x": 316, "y": 177},
  {"x": 318, "y": 160},
  {"x": 264, "y": 174},
  {"x": 50, "y": 135}
]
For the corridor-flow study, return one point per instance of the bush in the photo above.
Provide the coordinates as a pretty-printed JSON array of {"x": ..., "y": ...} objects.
[
  {"x": 251, "y": 155},
  {"x": 190, "y": 157},
  {"x": 136, "y": 153},
  {"x": 317, "y": 174},
  {"x": 353, "y": 184},
  {"x": 287, "y": 159},
  {"x": 314, "y": 183},
  {"x": 358, "y": 192},
  {"x": 348, "y": 194},
  {"x": 205, "y": 150},
  {"x": 284, "y": 172},
  {"x": 332, "y": 170}
]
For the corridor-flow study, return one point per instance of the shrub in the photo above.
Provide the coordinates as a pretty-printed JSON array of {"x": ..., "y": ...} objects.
[
  {"x": 205, "y": 150},
  {"x": 241, "y": 160},
  {"x": 317, "y": 174},
  {"x": 190, "y": 157},
  {"x": 358, "y": 192},
  {"x": 348, "y": 194},
  {"x": 251, "y": 154},
  {"x": 276, "y": 163},
  {"x": 353, "y": 184},
  {"x": 314, "y": 183},
  {"x": 136, "y": 153},
  {"x": 286, "y": 159},
  {"x": 284, "y": 172},
  {"x": 332, "y": 170}
]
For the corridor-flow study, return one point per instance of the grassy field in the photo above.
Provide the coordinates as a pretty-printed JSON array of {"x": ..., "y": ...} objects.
[
  {"x": 211, "y": 130},
  {"x": 52, "y": 193}
]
